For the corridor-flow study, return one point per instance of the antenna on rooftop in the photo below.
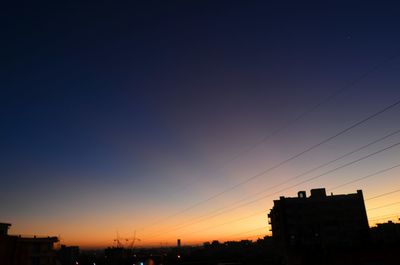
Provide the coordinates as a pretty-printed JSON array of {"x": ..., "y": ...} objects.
[
  {"x": 117, "y": 241},
  {"x": 134, "y": 239},
  {"x": 124, "y": 242}
]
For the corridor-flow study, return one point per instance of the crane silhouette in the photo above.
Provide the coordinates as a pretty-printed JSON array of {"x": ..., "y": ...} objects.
[{"x": 128, "y": 242}]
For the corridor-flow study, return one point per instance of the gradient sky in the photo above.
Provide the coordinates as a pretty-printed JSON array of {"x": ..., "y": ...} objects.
[{"x": 114, "y": 117}]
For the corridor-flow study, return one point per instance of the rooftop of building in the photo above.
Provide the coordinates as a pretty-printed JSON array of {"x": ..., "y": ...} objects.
[
  {"x": 319, "y": 193},
  {"x": 26, "y": 238},
  {"x": 388, "y": 223},
  {"x": 42, "y": 239}
]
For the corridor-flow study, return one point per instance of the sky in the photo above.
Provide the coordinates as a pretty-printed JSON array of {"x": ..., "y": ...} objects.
[{"x": 159, "y": 116}]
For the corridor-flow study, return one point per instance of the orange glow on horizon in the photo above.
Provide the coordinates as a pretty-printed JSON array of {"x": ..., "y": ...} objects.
[{"x": 239, "y": 224}]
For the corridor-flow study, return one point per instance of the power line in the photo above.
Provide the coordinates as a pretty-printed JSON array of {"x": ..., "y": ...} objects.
[
  {"x": 383, "y": 206},
  {"x": 262, "y": 228},
  {"x": 263, "y": 212},
  {"x": 266, "y": 227},
  {"x": 302, "y": 182},
  {"x": 315, "y": 107},
  {"x": 306, "y": 112},
  {"x": 384, "y": 194},
  {"x": 299, "y": 183},
  {"x": 383, "y": 217},
  {"x": 309, "y": 171},
  {"x": 245, "y": 232},
  {"x": 396, "y": 103},
  {"x": 215, "y": 212},
  {"x": 252, "y": 215},
  {"x": 365, "y": 177},
  {"x": 231, "y": 221},
  {"x": 325, "y": 173},
  {"x": 277, "y": 131},
  {"x": 246, "y": 237}
]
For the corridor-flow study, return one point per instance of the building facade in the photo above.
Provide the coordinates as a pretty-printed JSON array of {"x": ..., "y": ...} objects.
[
  {"x": 18, "y": 250},
  {"x": 319, "y": 220}
]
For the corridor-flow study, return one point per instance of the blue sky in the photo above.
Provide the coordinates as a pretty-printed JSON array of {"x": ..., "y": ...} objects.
[{"x": 127, "y": 113}]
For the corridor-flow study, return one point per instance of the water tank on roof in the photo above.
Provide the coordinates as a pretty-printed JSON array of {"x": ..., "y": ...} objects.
[{"x": 318, "y": 193}]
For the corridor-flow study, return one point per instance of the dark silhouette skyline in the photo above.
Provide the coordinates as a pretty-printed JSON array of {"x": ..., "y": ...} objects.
[
  {"x": 186, "y": 119},
  {"x": 316, "y": 229}
]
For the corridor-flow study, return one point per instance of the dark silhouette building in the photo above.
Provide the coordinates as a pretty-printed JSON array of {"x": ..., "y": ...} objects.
[
  {"x": 68, "y": 255},
  {"x": 17, "y": 250},
  {"x": 386, "y": 233},
  {"x": 319, "y": 220},
  {"x": 4, "y": 229}
]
